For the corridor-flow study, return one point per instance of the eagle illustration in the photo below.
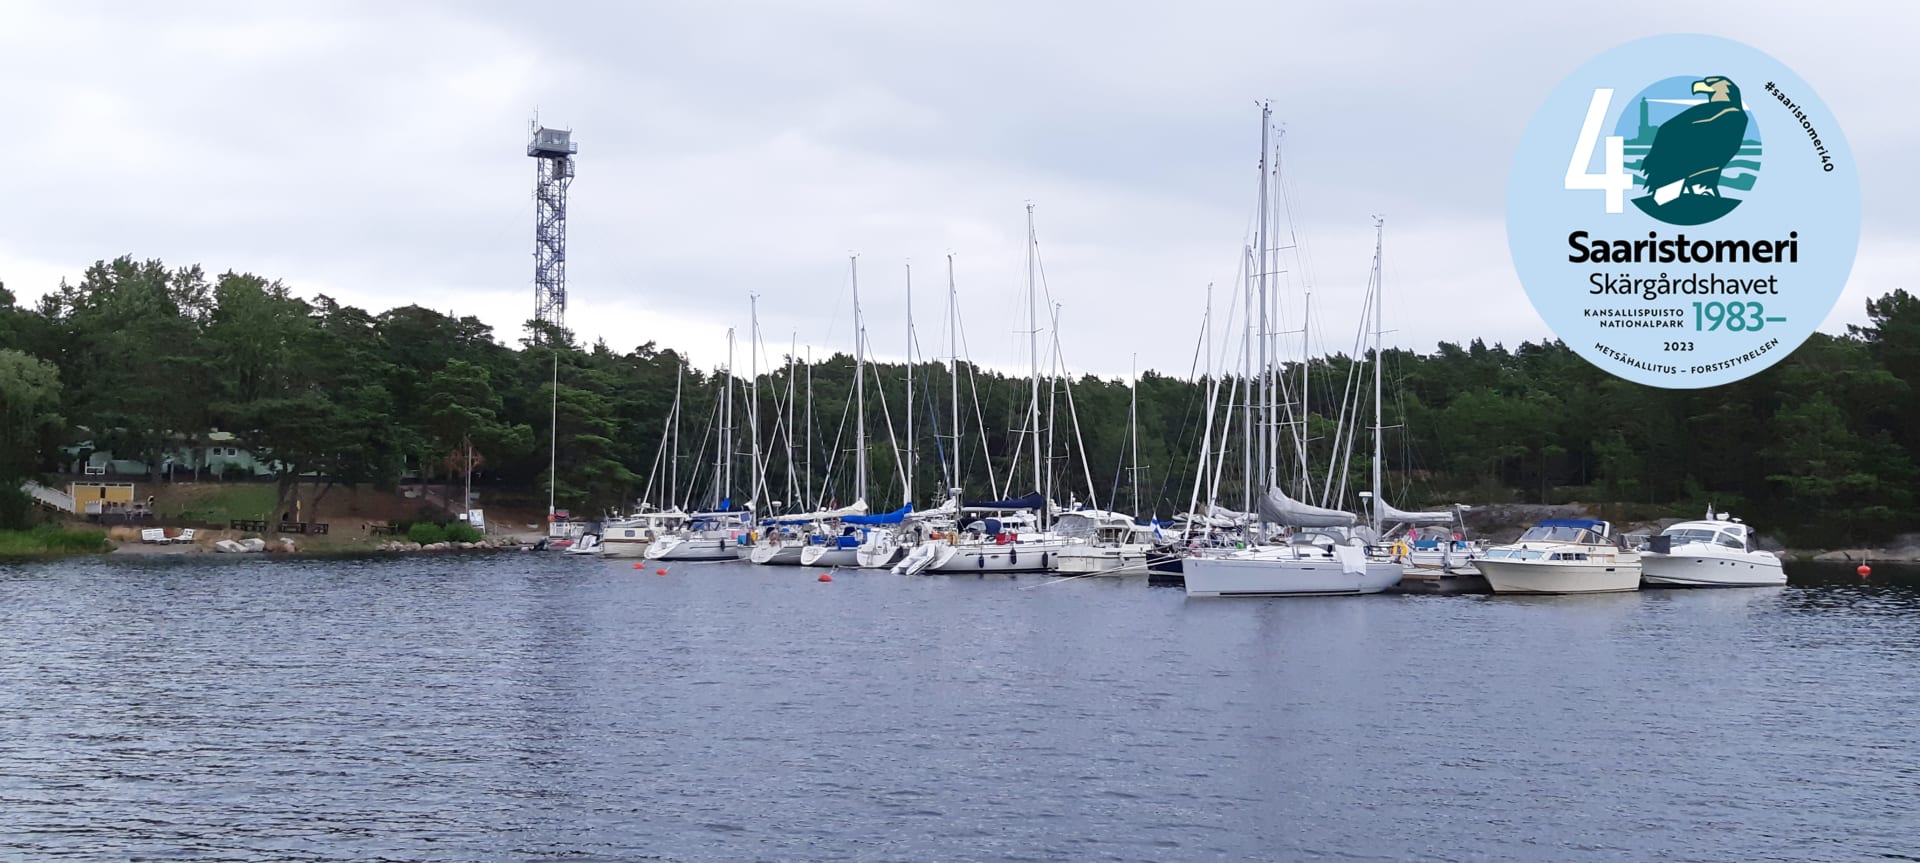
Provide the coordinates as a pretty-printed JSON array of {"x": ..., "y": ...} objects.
[{"x": 1690, "y": 150}]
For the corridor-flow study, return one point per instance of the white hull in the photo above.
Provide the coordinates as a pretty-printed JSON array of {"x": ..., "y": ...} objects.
[
  {"x": 880, "y": 551},
  {"x": 1522, "y": 576},
  {"x": 777, "y": 554},
  {"x": 626, "y": 541},
  {"x": 830, "y": 556},
  {"x": 1276, "y": 575},
  {"x": 1036, "y": 555},
  {"x": 1089, "y": 559},
  {"x": 1703, "y": 570},
  {"x": 688, "y": 549}
]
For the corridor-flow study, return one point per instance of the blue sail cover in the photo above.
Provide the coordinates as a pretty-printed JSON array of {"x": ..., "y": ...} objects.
[
  {"x": 1032, "y": 501},
  {"x": 895, "y": 517}
]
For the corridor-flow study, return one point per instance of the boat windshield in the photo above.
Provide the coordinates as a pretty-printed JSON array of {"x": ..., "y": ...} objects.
[
  {"x": 1557, "y": 533},
  {"x": 1705, "y": 536}
]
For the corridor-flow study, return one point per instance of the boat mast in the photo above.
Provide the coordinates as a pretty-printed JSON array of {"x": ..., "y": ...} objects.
[
  {"x": 723, "y": 460},
  {"x": 1268, "y": 471},
  {"x": 953, "y": 368},
  {"x": 753, "y": 394},
  {"x": 1379, "y": 278},
  {"x": 859, "y": 388},
  {"x": 1033, "y": 350},
  {"x": 909, "y": 457},
  {"x": 1133, "y": 431},
  {"x": 553, "y": 437},
  {"x": 795, "y": 501},
  {"x": 1250, "y": 441},
  {"x": 1306, "y": 359},
  {"x": 806, "y": 471},
  {"x": 673, "y": 478}
]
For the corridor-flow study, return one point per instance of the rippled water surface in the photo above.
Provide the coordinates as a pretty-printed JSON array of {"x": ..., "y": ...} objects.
[{"x": 535, "y": 707}]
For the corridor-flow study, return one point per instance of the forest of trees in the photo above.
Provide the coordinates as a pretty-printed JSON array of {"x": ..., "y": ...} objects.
[{"x": 135, "y": 357}]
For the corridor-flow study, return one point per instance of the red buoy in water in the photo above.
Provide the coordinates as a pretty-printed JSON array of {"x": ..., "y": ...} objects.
[
  {"x": 659, "y": 572},
  {"x": 636, "y": 566},
  {"x": 825, "y": 577},
  {"x": 1864, "y": 570}
]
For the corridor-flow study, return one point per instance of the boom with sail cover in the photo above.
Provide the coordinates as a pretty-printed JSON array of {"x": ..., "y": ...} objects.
[
  {"x": 1277, "y": 508},
  {"x": 1390, "y": 514}
]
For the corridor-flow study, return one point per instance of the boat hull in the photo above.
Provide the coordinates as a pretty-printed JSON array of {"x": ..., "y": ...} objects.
[
  {"x": 1089, "y": 560},
  {"x": 781, "y": 554},
  {"x": 1258, "y": 576},
  {"x": 1023, "y": 556},
  {"x": 831, "y": 556},
  {"x": 1516, "y": 576},
  {"x": 695, "y": 549},
  {"x": 1689, "y": 570}
]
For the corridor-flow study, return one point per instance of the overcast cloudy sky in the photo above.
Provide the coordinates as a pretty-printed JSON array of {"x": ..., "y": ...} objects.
[{"x": 375, "y": 152}]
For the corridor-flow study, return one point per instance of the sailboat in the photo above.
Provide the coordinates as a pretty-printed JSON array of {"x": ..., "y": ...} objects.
[
  {"x": 1100, "y": 541},
  {"x": 835, "y": 549},
  {"x": 1007, "y": 535},
  {"x": 1322, "y": 556},
  {"x": 716, "y": 534}
]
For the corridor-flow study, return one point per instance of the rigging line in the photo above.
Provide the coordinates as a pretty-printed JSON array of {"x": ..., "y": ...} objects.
[
  {"x": 979, "y": 417},
  {"x": 1060, "y": 362}
]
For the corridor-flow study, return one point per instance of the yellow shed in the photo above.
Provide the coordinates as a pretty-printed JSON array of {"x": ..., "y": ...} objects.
[{"x": 99, "y": 497}]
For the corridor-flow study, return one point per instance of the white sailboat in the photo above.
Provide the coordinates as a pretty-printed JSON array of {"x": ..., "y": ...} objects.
[
  {"x": 831, "y": 551},
  {"x": 715, "y": 535},
  {"x": 1323, "y": 557},
  {"x": 1006, "y": 536}
]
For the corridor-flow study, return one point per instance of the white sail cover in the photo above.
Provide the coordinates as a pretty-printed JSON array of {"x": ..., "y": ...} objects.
[
  {"x": 859, "y": 507},
  {"x": 1277, "y": 508},
  {"x": 1390, "y": 514}
]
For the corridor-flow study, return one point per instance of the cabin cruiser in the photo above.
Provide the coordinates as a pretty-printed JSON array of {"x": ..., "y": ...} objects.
[
  {"x": 1562, "y": 555},
  {"x": 1100, "y": 541},
  {"x": 630, "y": 536},
  {"x": 708, "y": 536},
  {"x": 1322, "y": 558},
  {"x": 1716, "y": 552}
]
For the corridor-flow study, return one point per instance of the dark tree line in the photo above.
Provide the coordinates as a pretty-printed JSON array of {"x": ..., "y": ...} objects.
[{"x": 136, "y": 358}]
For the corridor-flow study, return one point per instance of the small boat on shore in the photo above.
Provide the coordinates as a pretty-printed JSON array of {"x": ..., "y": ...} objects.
[
  {"x": 1562, "y": 555},
  {"x": 1715, "y": 552}
]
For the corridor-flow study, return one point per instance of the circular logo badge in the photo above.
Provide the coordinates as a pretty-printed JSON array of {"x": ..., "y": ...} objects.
[{"x": 1683, "y": 211}]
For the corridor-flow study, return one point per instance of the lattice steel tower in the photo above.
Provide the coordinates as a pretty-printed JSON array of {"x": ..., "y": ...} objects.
[{"x": 554, "y": 148}]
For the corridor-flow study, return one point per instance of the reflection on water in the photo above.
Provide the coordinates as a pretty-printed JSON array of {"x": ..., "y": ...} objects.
[{"x": 539, "y": 707}]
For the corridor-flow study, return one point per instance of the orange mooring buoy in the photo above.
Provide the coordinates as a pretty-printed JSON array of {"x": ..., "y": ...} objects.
[
  {"x": 825, "y": 577},
  {"x": 659, "y": 572},
  {"x": 637, "y": 566},
  {"x": 1864, "y": 570}
]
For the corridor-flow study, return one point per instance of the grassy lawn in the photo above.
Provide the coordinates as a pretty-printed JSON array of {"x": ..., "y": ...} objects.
[
  {"x": 47, "y": 541},
  {"x": 219, "y": 503}
]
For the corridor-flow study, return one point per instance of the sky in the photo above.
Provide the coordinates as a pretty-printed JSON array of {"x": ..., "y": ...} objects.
[{"x": 375, "y": 153}]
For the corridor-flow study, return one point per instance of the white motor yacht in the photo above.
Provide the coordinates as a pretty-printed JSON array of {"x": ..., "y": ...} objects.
[
  {"x": 1716, "y": 552},
  {"x": 1562, "y": 555},
  {"x": 1100, "y": 541},
  {"x": 630, "y": 536}
]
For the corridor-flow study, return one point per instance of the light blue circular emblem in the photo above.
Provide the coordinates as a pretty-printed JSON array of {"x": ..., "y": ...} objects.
[{"x": 1683, "y": 211}]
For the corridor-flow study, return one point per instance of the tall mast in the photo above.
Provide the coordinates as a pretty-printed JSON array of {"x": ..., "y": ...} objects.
[
  {"x": 1133, "y": 431},
  {"x": 806, "y": 468},
  {"x": 723, "y": 464},
  {"x": 953, "y": 367},
  {"x": 753, "y": 394},
  {"x": 1379, "y": 279},
  {"x": 793, "y": 486},
  {"x": 909, "y": 457},
  {"x": 859, "y": 388},
  {"x": 673, "y": 476},
  {"x": 1033, "y": 349},
  {"x": 1251, "y": 442},
  {"x": 553, "y": 434},
  {"x": 1267, "y": 472}
]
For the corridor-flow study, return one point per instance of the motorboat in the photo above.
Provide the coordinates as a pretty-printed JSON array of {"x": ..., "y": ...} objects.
[
  {"x": 1715, "y": 552},
  {"x": 1562, "y": 555},
  {"x": 1100, "y": 541},
  {"x": 630, "y": 536}
]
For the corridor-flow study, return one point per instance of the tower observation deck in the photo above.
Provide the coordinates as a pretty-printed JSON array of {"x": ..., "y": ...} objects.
[{"x": 555, "y": 150}]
